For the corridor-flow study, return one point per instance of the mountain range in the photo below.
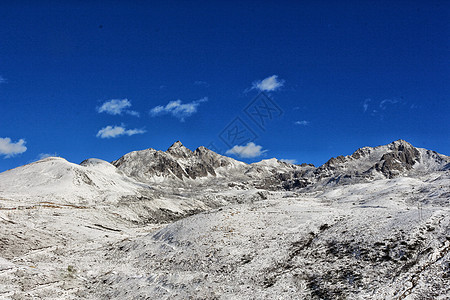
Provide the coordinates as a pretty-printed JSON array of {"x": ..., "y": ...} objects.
[{"x": 178, "y": 224}]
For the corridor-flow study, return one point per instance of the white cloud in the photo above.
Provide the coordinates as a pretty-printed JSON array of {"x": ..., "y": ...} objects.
[
  {"x": 248, "y": 151},
  {"x": 385, "y": 102},
  {"x": 46, "y": 155},
  {"x": 289, "y": 161},
  {"x": 117, "y": 107},
  {"x": 2, "y": 79},
  {"x": 178, "y": 109},
  {"x": 366, "y": 104},
  {"x": 379, "y": 109},
  {"x": 268, "y": 84},
  {"x": 201, "y": 83},
  {"x": 302, "y": 123},
  {"x": 9, "y": 149},
  {"x": 116, "y": 131}
]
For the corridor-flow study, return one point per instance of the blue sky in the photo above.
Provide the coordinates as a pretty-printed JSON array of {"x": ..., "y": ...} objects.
[{"x": 299, "y": 80}]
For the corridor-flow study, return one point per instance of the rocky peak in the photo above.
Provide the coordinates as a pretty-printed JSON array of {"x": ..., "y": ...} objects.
[
  {"x": 401, "y": 158},
  {"x": 200, "y": 151},
  {"x": 178, "y": 162},
  {"x": 179, "y": 150},
  {"x": 212, "y": 158},
  {"x": 362, "y": 152},
  {"x": 400, "y": 145},
  {"x": 335, "y": 161}
]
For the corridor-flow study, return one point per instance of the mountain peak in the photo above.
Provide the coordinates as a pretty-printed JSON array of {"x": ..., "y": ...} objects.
[
  {"x": 177, "y": 144},
  {"x": 401, "y": 143},
  {"x": 179, "y": 150}
]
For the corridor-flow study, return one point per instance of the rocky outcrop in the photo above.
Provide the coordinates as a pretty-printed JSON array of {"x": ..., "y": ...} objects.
[
  {"x": 387, "y": 161},
  {"x": 402, "y": 158},
  {"x": 179, "y": 151},
  {"x": 365, "y": 164},
  {"x": 178, "y": 162}
]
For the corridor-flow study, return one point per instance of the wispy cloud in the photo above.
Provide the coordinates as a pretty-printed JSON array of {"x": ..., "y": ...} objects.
[
  {"x": 248, "y": 151},
  {"x": 117, "y": 107},
  {"x": 2, "y": 79},
  {"x": 116, "y": 131},
  {"x": 268, "y": 84},
  {"x": 302, "y": 123},
  {"x": 384, "y": 104},
  {"x": 9, "y": 149},
  {"x": 289, "y": 161},
  {"x": 178, "y": 109},
  {"x": 201, "y": 83},
  {"x": 366, "y": 104},
  {"x": 46, "y": 155},
  {"x": 379, "y": 108}
]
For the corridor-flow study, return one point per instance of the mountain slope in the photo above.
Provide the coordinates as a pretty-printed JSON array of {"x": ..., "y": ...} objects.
[
  {"x": 54, "y": 178},
  {"x": 361, "y": 241}
]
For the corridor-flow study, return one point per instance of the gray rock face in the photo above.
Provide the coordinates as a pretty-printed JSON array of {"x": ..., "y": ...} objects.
[
  {"x": 179, "y": 151},
  {"x": 365, "y": 164},
  {"x": 178, "y": 162},
  {"x": 388, "y": 161},
  {"x": 402, "y": 158}
]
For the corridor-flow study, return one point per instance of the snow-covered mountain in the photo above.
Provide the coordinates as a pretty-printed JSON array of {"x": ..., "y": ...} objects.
[
  {"x": 177, "y": 162},
  {"x": 180, "y": 164},
  {"x": 182, "y": 224},
  {"x": 56, "y": 179},
  {"x": 398, "y": 158}
]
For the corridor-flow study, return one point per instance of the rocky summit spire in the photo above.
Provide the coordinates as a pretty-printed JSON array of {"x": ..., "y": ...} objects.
[
  {"x": 177, "y": 144},
  {"x": 178, "y": 150}
]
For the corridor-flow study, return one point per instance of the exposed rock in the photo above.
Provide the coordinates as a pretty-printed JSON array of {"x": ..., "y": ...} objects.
[
  {"x": 365, "y": 164},
  {"x": 179, "y": 150}
]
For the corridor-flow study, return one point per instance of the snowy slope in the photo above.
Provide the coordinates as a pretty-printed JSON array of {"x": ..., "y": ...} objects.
[
  {"x": 363, "y": 241},
  {"x": 54, "y": 178},
  {"x": 185, "y": 224}
]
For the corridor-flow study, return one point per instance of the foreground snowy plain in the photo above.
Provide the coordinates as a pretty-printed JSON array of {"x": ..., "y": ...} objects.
[
  {"x": 365, "y": 241},
  {"x": 90, "y": 232},
  {"x": 368, "y": 241}
]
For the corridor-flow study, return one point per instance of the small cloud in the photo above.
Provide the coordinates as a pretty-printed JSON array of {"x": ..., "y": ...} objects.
[
  {"x": 366, "y": 104},
  {"x": 289, "y": 161},
  {"x": 248, "y": 151},
  {"x": 385, "y": 102},
  {"x": 116, "y": 131},
  {"x": 201, "y": 83},
  {"x": 133, "y": 113},
  {"x": 268, "y": 84},
  {"x": 2, "y": 79},
  {"x": 178, "y": 109},
  {"x": 46, "y": 155},
  {"x": 9, "y": 149},
  {"x": 302, "y": 123},
  {"x": 379, "y": 109},
  {"x": 117, "y": 107}
]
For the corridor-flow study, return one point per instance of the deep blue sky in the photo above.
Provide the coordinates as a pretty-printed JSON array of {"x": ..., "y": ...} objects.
[{"x": 351, "y": 74}]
